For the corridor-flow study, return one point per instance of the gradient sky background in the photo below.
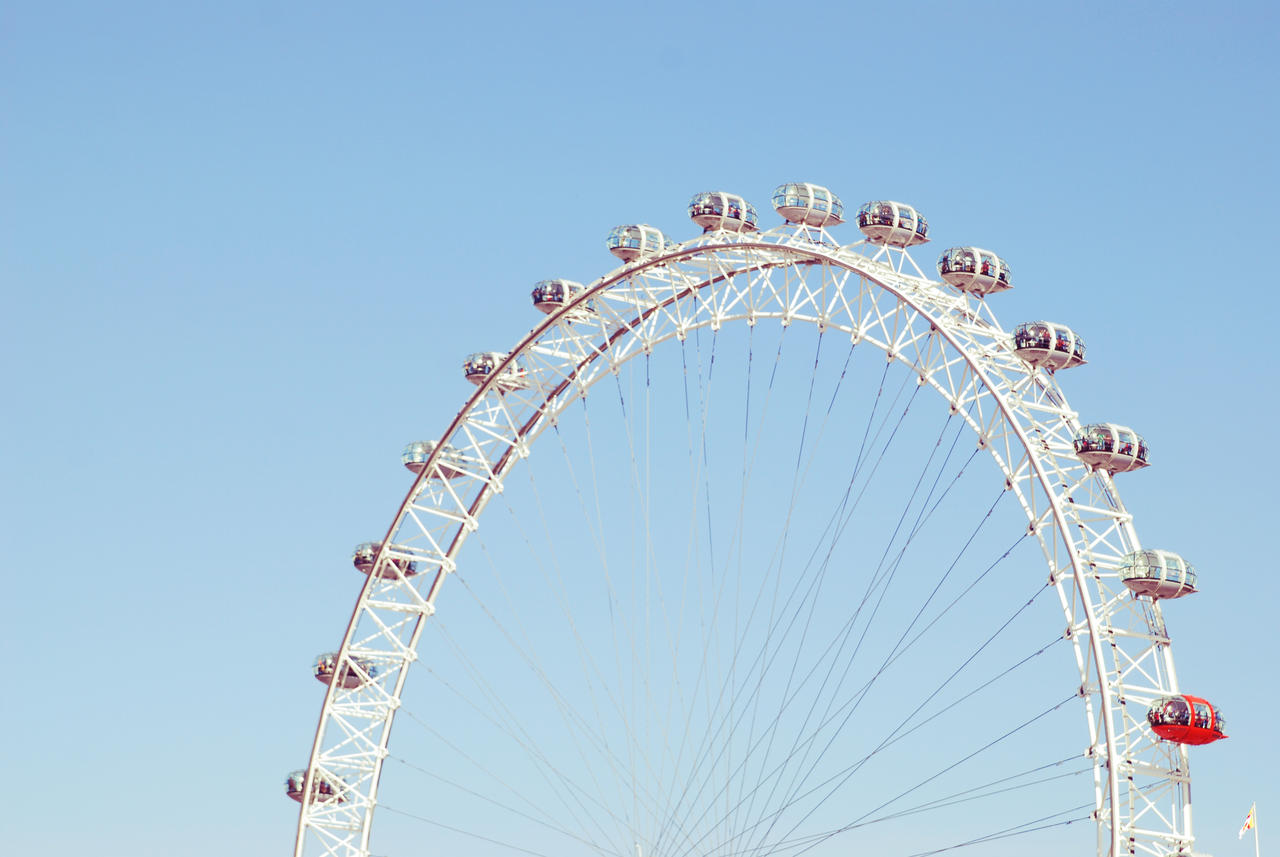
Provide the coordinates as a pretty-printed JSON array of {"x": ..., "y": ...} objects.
[{"x": 244, "y": 247}]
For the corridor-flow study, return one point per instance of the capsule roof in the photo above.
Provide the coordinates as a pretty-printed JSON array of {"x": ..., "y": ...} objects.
[
  {"x": 893, "y": 223},
  {"x": 719, "y": 211},
  {"x": 632, "y": 242},
  {"x": 1111, "y": 447},
  {"x": 974, "y": 270},
  {"x": 1047, "y": 345},
  {"x": 808, "y": 204}
]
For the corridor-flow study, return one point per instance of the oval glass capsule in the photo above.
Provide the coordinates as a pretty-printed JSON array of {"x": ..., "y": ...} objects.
[
  {"x": 326, "y": 667},
  {"x": 974, "y": 270},
  {"x": 321, "y": 789},
  {"x": 717, "y": 210},
  {"x": 1047, "y": 345},
  {"x": 632, "y": 242},
  {"x": 808, "y": 204},
  {"x": 448, "y": 463},
  {"x": 366, "y": 553},
  {"x": 551, "y": 295},
  {"x": 1110, "y": 447},
  {"x": 478, "y": 367},
  {"x": 1158, "y": 574},
  {"x": 893, "y": 223}
]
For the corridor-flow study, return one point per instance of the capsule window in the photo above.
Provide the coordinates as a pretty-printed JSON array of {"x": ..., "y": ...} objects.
[{"x": 1176, "y": 712}]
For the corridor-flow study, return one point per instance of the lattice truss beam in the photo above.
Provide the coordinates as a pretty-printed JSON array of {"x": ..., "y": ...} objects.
[{"x": 950, "y": 341}]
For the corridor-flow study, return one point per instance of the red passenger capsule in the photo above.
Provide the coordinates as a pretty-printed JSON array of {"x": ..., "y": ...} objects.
[{"x": 1186, "y": 720}]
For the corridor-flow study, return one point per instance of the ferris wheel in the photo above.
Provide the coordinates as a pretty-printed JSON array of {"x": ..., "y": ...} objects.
[{"x": 762, "y": 544}]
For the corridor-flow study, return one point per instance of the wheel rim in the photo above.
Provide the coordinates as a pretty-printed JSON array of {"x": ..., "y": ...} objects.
[{"x": 951, "y": 342}]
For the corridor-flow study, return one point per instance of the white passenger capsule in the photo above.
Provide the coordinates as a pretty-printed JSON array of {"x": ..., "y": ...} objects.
[
  {"x": 326, "y": 667},
  {"x": 717, "y": 210},
  {"x": 808, "y": 204},
  {"x": 632, "y": 242},
  {"x": 1117, "y": 449},
  {"x": 1158, "y": 574},
  {"x": 366, "y": 552},
  {"x": 321, "y": 789},
  {"x": 479, "y": 366},
  {"x": 448, "y": 464},
  {"x": 550, "y": 295},
  {"x": 893, "y": 223},
  {"x": 1047, "y": 345},
  {"x": 974, "y": 270}
]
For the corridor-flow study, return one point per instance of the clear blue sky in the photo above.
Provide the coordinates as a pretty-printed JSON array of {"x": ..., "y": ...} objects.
[{"x": 243, "y": 248}]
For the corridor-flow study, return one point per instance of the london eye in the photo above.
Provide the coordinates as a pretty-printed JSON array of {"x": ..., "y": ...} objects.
[{"x": 762, "y": 543}]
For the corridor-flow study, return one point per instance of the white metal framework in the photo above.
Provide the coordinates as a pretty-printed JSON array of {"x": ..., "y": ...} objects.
[{"x": 866, "y": 295}]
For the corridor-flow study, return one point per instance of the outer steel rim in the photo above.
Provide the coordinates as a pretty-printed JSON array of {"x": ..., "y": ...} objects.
[{"x": 951, "y": 341}]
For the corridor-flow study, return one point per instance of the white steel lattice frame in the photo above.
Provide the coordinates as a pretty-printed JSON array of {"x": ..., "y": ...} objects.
[{"x": 790, "y": 274}]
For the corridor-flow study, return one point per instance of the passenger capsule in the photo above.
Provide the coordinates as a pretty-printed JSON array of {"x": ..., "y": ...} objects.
[
  {"x": 321, "y": 789},
  {"x": 1049, "y": 346},
  {"x": 479, "y": 366},
  {"x": 448, "y": 464},
  {"x": 1110, "y": 447},
  {"x": 1158, "y": 574},
  {"x": 366, "y": 552},
  {"x": 808, "y": 204},
  {"x": 550, "y": 295},
  {"x": 326, "y": 666},
  {"x": 717, "y": 210},
  {"x": 1186, "y": 720},
  {"x": 974, "y": 270},
  {"x": 894, "y": 223},
  {"x": 632, "y": 242}
]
